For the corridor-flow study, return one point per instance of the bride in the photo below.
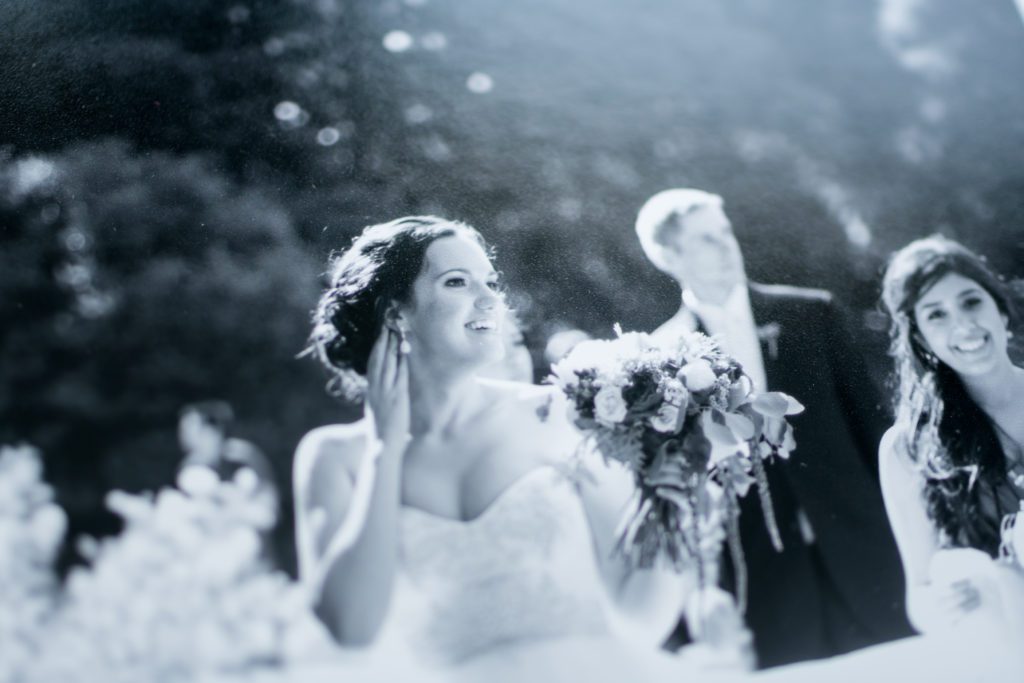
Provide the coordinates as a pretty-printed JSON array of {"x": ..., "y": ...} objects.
[
  {"x": 448, "y": 523},
  {"x": 449, "y": 527}
]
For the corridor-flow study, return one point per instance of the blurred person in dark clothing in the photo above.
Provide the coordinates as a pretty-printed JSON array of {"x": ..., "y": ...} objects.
[{"x": 837, "y": 584}]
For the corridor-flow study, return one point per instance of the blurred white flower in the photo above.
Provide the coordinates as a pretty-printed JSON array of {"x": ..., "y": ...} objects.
[
  {"x": 196, "y": 480},
  {"x": 48, "y": 525},
  {"x": 698, "y": 375},
  {"x": 675, "y": 393},
  {"x": 181, "y": 594},
  {"x": 31, "y": 530},
  {"x": 246, "y": 480}
]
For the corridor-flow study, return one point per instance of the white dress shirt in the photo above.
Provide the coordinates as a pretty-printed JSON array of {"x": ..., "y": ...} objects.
[{"x": 732, "y": 323}]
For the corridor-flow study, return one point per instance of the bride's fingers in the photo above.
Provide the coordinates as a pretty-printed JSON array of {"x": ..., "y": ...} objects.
[
  {"x": 377, "y": 354},
  {"x": 970, "y": 600},
  {"x": 402, "y": 374},
  {"x": 389, "y": 364},
  {"x": 959, "y": 598}
]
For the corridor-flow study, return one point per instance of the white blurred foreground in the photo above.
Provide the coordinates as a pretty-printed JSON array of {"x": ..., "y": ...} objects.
[{"x": 181, "y": 594}]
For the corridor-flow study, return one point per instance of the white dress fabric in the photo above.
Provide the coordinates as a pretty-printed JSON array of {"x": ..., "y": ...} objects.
[
  {"x": 520, "y": 571},
  {"x": 516, "y": 594}
]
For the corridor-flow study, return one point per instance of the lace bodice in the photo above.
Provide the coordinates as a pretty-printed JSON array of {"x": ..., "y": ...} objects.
[{"x": 524, "y": 569}]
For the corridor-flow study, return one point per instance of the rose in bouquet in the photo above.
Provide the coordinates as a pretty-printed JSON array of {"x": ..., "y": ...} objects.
[{"x": 683, "y": 418}]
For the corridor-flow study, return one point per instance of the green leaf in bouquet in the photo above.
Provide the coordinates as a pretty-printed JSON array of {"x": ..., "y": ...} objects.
[
  {"x": 777, "y": 404},
  {"x": 741, "y": 426},
  {"x": 779, "y": 435},
  {"x": 724, "y": 442},
  {"x": 620, "y": 445},
  {"x": 770, "y": 404},
  {"x": 696, "y": 447}
]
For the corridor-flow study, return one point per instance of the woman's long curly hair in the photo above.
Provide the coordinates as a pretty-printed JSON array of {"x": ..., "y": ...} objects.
[
  {"x": 377, "y": 270},
  {"x": 947, "y": 435}
]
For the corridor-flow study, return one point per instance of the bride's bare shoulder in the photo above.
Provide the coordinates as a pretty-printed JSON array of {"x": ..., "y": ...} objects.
[
  {"x": 528, "y": 399},
  {"x": 328, "y": 448}
]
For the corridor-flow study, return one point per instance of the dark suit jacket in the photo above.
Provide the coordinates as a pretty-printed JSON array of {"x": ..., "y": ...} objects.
[{"x": 845, "y": 590}]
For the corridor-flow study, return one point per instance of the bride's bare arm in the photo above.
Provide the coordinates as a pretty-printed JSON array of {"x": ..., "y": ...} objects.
[
  {"x": 347, "y": 493},
  {"x": 647, "y": 602}
]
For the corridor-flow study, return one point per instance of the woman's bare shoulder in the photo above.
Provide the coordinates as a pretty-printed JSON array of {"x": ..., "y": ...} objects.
[
  {"x": 895, "y": 464},
  {"x": 330, "y": 447},
  {"x": 529, "y": 404}
]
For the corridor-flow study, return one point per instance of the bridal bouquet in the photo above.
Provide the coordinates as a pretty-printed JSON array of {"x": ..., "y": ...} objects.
[
  {"x": 684, "y": 420},
  {"x": 181, "y": 593}
]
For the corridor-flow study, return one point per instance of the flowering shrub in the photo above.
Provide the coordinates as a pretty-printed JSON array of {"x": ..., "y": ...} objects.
[
  {"x": 182, "y": 592},
  {"x": 685, "y": 421},
  {"x": 31, "y": 529}
]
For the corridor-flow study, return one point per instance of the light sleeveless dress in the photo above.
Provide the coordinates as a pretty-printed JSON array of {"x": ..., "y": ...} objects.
[{"x": 516, "y": 595}]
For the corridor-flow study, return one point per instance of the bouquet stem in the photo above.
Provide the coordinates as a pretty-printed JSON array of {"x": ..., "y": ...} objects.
[
  {"x": 736, "y": 552},
  {"x": 766, "y": 503}
]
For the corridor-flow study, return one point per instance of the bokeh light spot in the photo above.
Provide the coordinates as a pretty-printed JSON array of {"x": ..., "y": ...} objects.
[
  {"x": 328, "y": 136},
  {"x": 435, "y": 40},
  {"x": 397, "y": 41},
  {"x": 418, "y": 113},
  {"x": 479, "y": 83},
  {"x": 239, "y": 14},
  {"x": 287, "y": 111},
  {"x": 274, "y": 47},
  {"x": 75, "y": 240}
]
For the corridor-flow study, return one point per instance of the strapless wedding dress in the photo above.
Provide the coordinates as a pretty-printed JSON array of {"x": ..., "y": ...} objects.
[
  {"x": 523, "y": 570},
  {"x": 516, "y": 595}
]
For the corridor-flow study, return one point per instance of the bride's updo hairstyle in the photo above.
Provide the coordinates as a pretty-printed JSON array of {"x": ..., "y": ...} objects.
[
  {"x": 379, "y": 268},
  {"x": 946, "y": 433}
]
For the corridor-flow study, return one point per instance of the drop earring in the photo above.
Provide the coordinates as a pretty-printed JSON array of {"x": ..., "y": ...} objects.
[{"x": 404, "y": 347}]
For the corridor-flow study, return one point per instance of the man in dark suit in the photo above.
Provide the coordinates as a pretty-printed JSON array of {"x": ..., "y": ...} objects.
[{"x": 838, "y": 584}]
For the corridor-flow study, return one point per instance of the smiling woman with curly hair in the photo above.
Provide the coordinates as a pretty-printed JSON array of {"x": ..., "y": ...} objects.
[{"x": 953, "y": 464}]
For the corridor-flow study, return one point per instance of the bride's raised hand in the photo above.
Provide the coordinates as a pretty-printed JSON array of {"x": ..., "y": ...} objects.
[
  {"x": 387, "y": 392},
  {"x": 958, "y": 598}
]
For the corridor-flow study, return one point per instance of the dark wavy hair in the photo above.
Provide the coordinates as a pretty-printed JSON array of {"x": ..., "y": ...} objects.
[
  {"x": 379, "y": 268},
  {"x": 947, "y": 435}
]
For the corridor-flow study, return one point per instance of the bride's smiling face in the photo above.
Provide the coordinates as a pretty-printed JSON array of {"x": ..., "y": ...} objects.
[
  {"x": 962, "y": 325},
  {"x": 457, "y": 310}
]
